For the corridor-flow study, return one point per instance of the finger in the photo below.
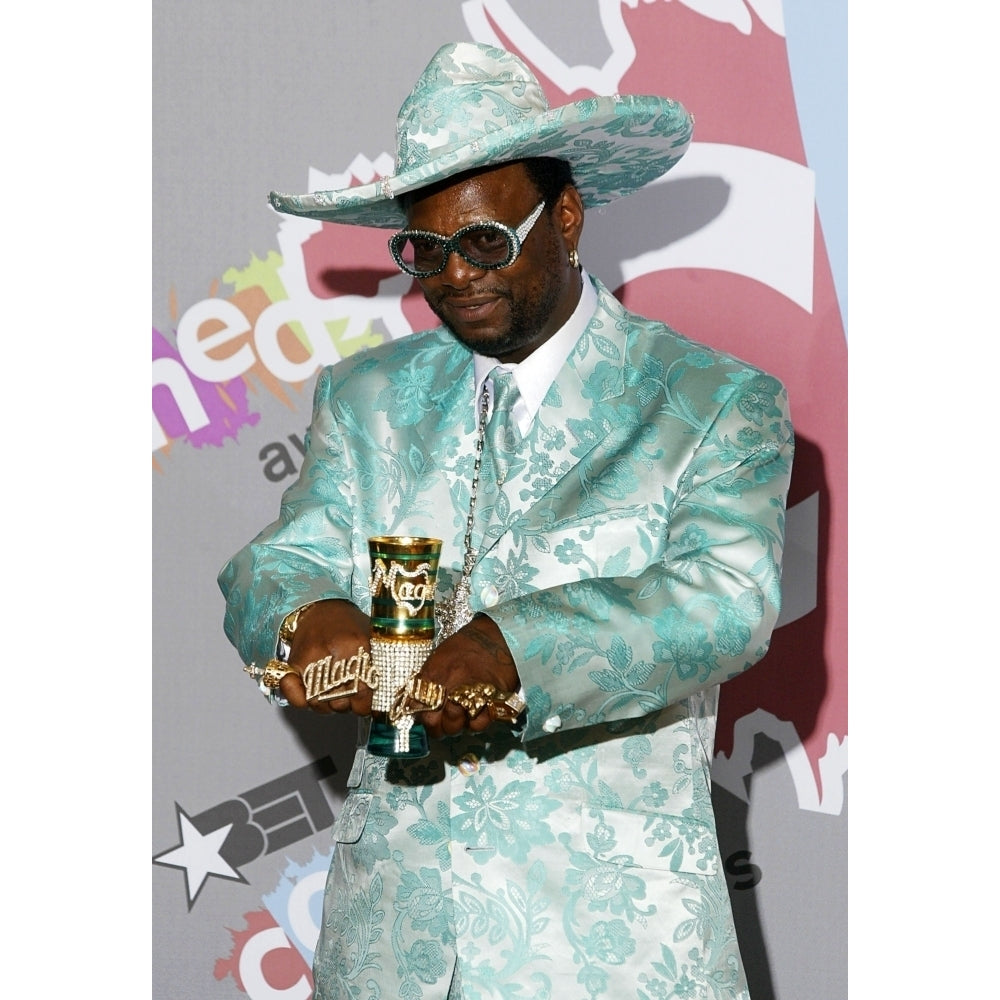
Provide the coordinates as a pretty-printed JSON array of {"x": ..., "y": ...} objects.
[
  {"x": 339, "y": 685},
  {"x": 292, "y": 689},
  {"x": 454, "y": 719},
  {"x": 431, "y": 721},
  {"x": 362, "y": 702},
  {"x": 358, "y": 702},
  {"x": 330, "y": 706},
  {"x": 480, "y": 722}
]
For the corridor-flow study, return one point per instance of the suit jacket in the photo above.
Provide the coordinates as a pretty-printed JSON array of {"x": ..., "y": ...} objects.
[{"x": 630, "y": 552}]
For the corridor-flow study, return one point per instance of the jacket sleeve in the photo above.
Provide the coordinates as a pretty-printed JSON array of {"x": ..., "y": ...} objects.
[
  {"x": 303, "y": 556},
  {"x": 702, "y": 605}
]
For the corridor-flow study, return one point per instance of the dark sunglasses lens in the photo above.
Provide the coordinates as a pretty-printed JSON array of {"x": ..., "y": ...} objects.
[
  {"x": 418, "y": 253},
  {"x": 486, "y": 245}
]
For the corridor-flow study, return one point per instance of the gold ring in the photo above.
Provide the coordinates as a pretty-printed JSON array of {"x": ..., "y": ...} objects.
[
  {"x": 328, "y": 678},
  {"x": 273, "y": 672},
  {"x": 503, "y": 706},
  {"x": 417, "y": 695}
]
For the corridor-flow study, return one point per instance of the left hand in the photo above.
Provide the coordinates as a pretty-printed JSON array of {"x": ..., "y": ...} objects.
[{"x": 476, "y": 653}]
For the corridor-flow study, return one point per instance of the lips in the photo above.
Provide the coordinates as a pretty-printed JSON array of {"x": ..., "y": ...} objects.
[{"x": 471, "y": 310}]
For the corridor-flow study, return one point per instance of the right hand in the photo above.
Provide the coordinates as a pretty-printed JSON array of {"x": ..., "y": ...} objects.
[{"x": 337, "y": 628}]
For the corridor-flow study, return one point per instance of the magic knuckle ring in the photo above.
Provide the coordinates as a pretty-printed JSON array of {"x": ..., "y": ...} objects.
[
  {"x": 327, "y": 678},
  {"x": 417, "y": 695}
]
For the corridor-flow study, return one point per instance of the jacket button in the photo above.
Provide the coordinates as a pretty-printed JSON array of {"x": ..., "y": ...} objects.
[
  {"x": 489, "y": 595},
  {"x": 468, "y": 764},
  {"x": 551, "y": 724}
]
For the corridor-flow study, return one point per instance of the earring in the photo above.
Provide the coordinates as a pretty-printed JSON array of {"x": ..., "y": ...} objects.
[{"x": 574, "y": 258}]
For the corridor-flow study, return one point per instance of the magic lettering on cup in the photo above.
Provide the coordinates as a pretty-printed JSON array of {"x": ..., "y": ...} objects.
[
  {"x": 403, "y": 583},
  {"x": 407, "y": 594}
]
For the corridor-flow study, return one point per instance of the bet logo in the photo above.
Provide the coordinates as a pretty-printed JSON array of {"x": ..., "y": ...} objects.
[{"x": 263, "y": 820}]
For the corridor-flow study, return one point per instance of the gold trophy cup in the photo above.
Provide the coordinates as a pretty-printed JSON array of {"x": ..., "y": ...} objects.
[{"x": 404, "y": 575}]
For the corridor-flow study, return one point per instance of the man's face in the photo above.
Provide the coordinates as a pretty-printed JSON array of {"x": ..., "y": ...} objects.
[{"x": 509, "y": 312}]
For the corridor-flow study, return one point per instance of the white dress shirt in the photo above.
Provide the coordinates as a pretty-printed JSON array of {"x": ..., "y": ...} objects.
[{"x": 538, "y": 371}]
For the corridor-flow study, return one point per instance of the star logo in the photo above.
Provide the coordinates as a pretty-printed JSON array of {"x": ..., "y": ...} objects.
[{"x": 199, "y": 855}]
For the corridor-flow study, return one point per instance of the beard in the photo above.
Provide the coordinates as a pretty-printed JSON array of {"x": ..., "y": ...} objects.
[
  {"x": 529, "y": 310},
  {"x": 525, "y": 323}
]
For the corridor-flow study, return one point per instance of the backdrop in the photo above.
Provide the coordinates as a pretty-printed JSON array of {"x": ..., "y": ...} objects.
[{"x": 742, "y": 246}]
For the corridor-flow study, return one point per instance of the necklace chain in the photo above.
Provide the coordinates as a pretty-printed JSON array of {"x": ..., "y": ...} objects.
[
  {"x": 455, "y": 611},
  {"x": 484, "y": 405}
]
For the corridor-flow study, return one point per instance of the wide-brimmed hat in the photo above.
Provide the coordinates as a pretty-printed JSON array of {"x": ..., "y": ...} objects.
[{"x": 476, "y": 106}]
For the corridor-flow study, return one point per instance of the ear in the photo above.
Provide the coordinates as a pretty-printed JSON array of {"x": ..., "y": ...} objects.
[{"x": 569, "y": 216}]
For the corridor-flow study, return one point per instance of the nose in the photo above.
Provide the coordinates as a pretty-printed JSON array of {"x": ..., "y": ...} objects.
[{"x": 458, "y": 272}]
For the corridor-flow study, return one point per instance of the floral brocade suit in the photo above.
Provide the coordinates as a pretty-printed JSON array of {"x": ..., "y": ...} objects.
[{"x": 629, "y": 549}]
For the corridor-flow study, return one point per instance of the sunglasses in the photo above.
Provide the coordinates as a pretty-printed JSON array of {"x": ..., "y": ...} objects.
[{"x": 486, "y": 245}]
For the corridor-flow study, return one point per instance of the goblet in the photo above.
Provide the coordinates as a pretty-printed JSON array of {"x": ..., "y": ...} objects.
[{"x": 404, "y": 575}]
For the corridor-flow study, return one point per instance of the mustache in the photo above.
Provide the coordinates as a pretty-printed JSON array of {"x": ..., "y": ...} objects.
[{"x": 458, "y": 298}]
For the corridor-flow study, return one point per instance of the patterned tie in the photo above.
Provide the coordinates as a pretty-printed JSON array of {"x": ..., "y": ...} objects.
[{"x": 502, "y": 434}]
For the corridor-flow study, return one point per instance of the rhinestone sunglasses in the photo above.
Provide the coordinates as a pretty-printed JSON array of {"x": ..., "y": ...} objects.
[{"x": 487, "y": 245}]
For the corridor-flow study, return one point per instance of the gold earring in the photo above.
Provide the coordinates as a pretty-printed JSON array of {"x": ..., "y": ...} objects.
[{"x": 574, "y": 258}]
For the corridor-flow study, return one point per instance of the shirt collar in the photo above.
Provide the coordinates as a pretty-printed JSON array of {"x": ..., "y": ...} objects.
[{"x": 536, "y": 373}]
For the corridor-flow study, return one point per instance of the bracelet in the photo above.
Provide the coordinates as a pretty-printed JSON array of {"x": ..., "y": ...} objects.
[
  {"x": 291, "y": 622},
  {"x": 270, "y": 676}
]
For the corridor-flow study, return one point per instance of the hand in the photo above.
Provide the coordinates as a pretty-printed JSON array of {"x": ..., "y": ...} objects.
[
  {"x": 334, "y": 628},
  {"x": 476, "y": 653}
]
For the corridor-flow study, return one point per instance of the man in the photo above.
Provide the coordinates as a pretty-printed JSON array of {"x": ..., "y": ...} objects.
[{"x": 611, "y": 504}]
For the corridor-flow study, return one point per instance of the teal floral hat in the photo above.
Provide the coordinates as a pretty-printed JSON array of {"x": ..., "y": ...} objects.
[{"x": 477, "y": 106}]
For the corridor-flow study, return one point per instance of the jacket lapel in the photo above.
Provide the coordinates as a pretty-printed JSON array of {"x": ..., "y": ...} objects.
[{"x": 567, "y": 428}]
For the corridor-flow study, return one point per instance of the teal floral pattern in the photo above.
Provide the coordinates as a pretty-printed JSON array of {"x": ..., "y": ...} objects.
[
  {"x": 632, "y": 558},
  {"x": 512, "y": 819},
  {"x": 475, "y": 105}
]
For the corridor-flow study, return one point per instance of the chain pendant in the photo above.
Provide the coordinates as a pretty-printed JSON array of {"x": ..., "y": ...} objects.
[{"x": 452, "y": 613}]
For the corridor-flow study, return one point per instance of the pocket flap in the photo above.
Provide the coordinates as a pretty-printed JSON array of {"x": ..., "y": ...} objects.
[{"x": 351, "y": 821}]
